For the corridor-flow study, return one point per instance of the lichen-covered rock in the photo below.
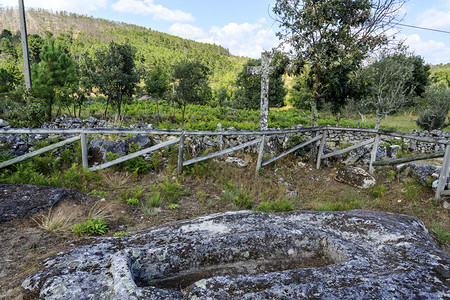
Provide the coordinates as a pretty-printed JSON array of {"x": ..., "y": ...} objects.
[
  {"x": 99, "y": 147},
  {"x": 20, "y": 200},
  {"x": 356, "y": 177},
  {"x": 252, "y": 255}
]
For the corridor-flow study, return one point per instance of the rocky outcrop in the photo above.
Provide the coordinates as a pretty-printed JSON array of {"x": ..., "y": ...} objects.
[
  {"x": 252, "y": 255},
  {"x": 20, "y": 200}
]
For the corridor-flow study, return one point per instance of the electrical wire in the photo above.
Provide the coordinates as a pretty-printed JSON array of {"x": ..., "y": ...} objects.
[{"x": 423, "y": 28}]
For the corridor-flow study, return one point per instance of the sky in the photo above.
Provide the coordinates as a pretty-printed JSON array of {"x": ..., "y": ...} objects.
[{"x": 246, "y": 27}]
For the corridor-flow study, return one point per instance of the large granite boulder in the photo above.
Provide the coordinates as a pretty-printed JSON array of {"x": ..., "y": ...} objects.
[
  {"x": 21, "y": 200},
  {"x": 252, "y": 255}
]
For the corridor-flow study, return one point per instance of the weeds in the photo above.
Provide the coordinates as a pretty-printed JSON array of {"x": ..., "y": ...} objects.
[
  {"x": 239, "y": 197},
  {"x": 91, "y": 227},
  {"x": 378, "y": 190},
  {"x": 441, "y": 233},
  {"x": 172, "y": 191},
  {"x": 276, "y": 206}
]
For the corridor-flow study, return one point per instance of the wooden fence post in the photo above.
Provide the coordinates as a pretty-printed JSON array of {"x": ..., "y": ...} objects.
[
  {"x": 261, "y": 153},
  {"x": 180, "y": 154},
  {"x": 373, "y": 153},
  {"x": 322, "y": 145},
  {"x": 444, "y": 173},
  {"x": 84, "y": 151}
]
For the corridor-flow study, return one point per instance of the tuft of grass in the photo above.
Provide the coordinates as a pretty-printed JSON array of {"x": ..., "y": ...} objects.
[
  {"x": 239, "y": 197},
  {"x": 99, "y": 211},
  {"x": 116, "y": 180},
  {"x": 441, "y": 233},
  {"x": 347, "y": 201},
  {"x": 56, "y": 221},
  {"x": 276, "y": 206}
]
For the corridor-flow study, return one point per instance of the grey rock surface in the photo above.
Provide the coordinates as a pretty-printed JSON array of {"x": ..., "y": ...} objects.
[
  {"x": 356, "y": 177},
  {"x": 20, "y": 200},
  {"x": 253, "y": 255},
  {"x": 99, "y": 147}
]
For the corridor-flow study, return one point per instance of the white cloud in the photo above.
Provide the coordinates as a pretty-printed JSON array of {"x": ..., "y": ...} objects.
[
  {"x": 433, "y": 52},
  {"x": 147, "y": 7},
  {"x": 188, "y": 31},
  {"x": 79, "y": 6},
  {"x": 244, "y": 39},
  {"x": 435, "y": 18}
]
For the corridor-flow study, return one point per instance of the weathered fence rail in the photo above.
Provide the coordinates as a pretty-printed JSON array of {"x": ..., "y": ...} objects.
[{"x": 320, "y": 132}]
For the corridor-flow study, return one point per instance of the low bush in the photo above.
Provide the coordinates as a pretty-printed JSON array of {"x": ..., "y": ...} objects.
[{"x": 91, "y": 227}]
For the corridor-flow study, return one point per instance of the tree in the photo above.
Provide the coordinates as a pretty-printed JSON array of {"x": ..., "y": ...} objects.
[
  {"x": 54, "y": 77},
  {"x": 7, "y": 81},
  {"x": 248, "y": 94},
  {"x": 389, "y": 80},
  {"x": 436, "y": 111},
  {"x": 333, "y": 37},
  {"x": 157, "y": 82},
  {"x": 191, "y": 84},
  {"x": 35, "y": 44},
  {"x": 112, "y": 72}
]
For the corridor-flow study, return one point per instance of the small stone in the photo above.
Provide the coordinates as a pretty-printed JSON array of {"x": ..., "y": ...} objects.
[
  {"x": 238, "y": 162},
  {"x": 356, "y": 177}
]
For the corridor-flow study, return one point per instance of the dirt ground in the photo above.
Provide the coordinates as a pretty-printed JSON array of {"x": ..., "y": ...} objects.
[{"x": 26, "y": 242}]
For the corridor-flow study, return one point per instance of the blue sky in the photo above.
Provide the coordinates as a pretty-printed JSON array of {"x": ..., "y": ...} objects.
[{"x": 245, "y": 27}]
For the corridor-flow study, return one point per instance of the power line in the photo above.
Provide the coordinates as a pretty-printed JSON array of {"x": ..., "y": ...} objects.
[{"x": 423, "y": 28}]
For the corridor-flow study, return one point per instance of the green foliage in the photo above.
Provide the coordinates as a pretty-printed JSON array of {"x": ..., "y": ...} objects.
[
  {"x": 101, "y": 194},
  {"x": 441, "y": 233},
  {"x": 347, "y": 201},
  {"x": 173, "y": 206},
  {"x": 191, "y": 83},
  {"x": 91, "y": 227},
  {"x": 248, "y": 94},
  {"x": 54, "y": 77},
  {"x": 276, "y": 206},
  {"x": 295, "y": 140},
  {"x": 112, "y": 72},
  {"x": 157, "y": 82},
  {"x": 137, "y": 165},
  {"x": 239, "y": 197},
  {"x": 172, "y": 191},
  {"x": 378, "y": 190},
  {"x": 335, "y": 57},
  {"x": 122, "y": 234},
  {"x": 133, "y": 195},
  {"x": 437, "y": 108},
  {"x": 390, "y": 79},
  {"x": 132, "y": 201}
]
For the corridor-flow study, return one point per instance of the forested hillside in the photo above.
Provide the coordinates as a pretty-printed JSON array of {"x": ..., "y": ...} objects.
[{"x": 84, "y": 33}]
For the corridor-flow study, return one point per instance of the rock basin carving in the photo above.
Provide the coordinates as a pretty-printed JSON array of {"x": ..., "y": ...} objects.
[{"x": 253, "y": 255}]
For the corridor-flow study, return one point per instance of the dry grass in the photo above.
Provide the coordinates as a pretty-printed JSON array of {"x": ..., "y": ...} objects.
[
  {"x": 115, "y": 180},
  {"x": 58, "y": 220}
]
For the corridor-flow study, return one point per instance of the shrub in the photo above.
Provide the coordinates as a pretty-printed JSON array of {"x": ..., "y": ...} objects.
[{"x": 91, "y": 227}]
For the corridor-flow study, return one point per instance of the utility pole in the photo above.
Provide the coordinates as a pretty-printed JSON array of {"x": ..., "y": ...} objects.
[{"x": 26, "y": 60}]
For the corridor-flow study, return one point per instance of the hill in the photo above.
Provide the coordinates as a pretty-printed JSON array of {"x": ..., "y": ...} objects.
[{"x": 87, "y": 33}]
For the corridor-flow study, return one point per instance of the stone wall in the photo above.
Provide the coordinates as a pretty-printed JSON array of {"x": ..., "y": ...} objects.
[{"x": 197, "y": 144}]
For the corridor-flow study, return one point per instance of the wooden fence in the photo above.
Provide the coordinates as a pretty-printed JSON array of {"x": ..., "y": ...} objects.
[{"x": 178, "y": 136}]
